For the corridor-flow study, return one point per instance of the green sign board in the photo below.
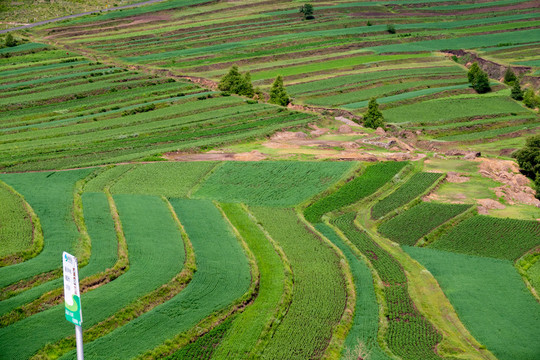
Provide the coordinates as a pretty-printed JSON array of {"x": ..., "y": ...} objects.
[{"x": 72, "y": 294}]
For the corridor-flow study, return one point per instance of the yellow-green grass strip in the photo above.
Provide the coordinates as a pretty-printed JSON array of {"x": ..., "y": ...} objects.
[
  {"x": 246, "y": 330},
  {"x": 21, "y": 237}
]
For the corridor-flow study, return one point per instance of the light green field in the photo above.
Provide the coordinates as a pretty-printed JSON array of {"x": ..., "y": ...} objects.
[{"x": 17, "y": 230}]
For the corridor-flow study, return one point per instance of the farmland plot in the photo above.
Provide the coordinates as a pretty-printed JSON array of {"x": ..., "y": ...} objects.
[
  {"x": 409, "y": 334},
  {"x": 492, "y": 237},
  {"x": 408, "y": 227},
  {"x": 318, "y": 298},
  {"x": 51, "y": 196},
  {"x": 414, "y": 187},
  {"x": 360, "y": 187},
  {"x": 490, "y": 298},
  {"x": 280, "y": 183},
  {"x": 16, "y": 232},
  {"x": 222, "y": 276},
  {"x": 156, "y": 254}
]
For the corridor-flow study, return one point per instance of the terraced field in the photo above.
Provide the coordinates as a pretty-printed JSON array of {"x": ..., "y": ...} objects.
[{"x": 303, "y": 255}]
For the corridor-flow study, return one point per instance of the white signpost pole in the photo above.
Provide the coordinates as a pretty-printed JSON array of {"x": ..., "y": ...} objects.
[{"x": 72, "y": 297}]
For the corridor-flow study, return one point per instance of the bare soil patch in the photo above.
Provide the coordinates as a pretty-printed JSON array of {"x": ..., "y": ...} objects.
[{"x": 516, "y": 187}]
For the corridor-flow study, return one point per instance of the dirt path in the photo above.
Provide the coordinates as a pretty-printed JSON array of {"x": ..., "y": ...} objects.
[{"x": 79, "y": 15}]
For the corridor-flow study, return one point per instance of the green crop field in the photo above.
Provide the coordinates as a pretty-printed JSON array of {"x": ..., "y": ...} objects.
[
  {"x": 230, "y": 217},
  {"x": 408, "y": 227},
  {"x": 318, "y": 297},
  {"x": 414, "y": 187},
  {"x": 16, "y": 236},
  {"x": 270, "y": 183},
  {"x": 492, "y": 237},
  {"x": 372, "y": 179},
  {"x": 491, "y": 299}
]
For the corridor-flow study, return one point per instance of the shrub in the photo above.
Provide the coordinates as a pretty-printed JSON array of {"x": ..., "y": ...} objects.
[
  {"x": 517, "y": 93},
  {"x": 509, "y": 76},
  {"x": 391, "y": 28},
  {"x": 479, "y": 79}
]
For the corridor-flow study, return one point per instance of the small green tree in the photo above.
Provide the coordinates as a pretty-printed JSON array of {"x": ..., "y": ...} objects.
[
  {"x": 278, "y": 95},
  {"x": 10, "y": 41},
  {"x": 246, "y": 87},
  {"x": 528, "y": 159},
  {"x": 517, "y": 93},
  {"x": 232, "y": 81},
  {"x": 373, "y": 118},
  {"x": 473, "y": 71},
  {"x": 307, "y": 10},
  {"x": 391, "y": 28},
  {"x": 509, "y": 76},
  {"x": 481, "y": 83},
  {"x": 479, "y": 80},
  {"x": 530, "y": 99}
]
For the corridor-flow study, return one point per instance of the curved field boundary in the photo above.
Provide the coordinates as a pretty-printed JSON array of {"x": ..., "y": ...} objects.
[
  {"x": 156, "y": 255},
  {"x": 319, "y": 296},
  {"x": 373, "y": 178},
  {"x": 490, "y": 298},
  {"x": 250, "y": 328},
  {"x": 492, "y": 237},
  {"x": 51, "y": 196},
  {"x": 416, "y": 186},
  {"x": 361, "y": 340},
  {"x": 409, "y": 334},
  {"x": 222, "y": 276},
  {"x": 408, "y": 227},
  {"x": 22, "y": 236},
  {"x": 103, "y": 257}
]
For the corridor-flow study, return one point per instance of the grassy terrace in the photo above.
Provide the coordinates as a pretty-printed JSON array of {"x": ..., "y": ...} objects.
[{"x": 78, "y": 113}]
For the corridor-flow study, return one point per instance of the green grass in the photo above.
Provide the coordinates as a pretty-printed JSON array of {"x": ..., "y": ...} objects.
[
  {"x": 413, "y": 188},
  {"x": 222, "y": 276},
  {"x": 372, "y": 179},
  {"x": 156, "y": 254},
  {"x": 16, "y": 231},
  {"x": 171, "y": 179},
  {"x": 107, "y": 178},
  {"x": 270, "y": 183},
  {"x": 248, "y": 327},
  {"x": 51, "y": 196},
  {"x": 408, "y": 227},
  {"x": 493, "y": 237},
  {"x": 490, "y": 298},
  {"x": 445, "y": 109},
  {"x": 318, "y": 297},
  {"x": 366, "y": 320}
]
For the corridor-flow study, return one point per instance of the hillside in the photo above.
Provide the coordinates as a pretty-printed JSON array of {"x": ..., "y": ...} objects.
[{"x": 213, "y": 225}]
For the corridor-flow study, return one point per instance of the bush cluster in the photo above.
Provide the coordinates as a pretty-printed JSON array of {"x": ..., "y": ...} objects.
[
  {"x": 479, "y": 79},
  {"x": 233, "y": 82}
]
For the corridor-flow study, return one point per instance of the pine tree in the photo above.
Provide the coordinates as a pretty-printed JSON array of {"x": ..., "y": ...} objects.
[
  {"x": 246, "y": 87},
  {"x": 373, "y": 118},
  {"x": 517, "y": 93},
  {"x": 509, "y": 76},
  {"x": 278, "y": 95},
  {"x": 481, "y": 83},
  {"x": 479, "y": 80},
  {"x": 232, "y": 81},
  {"x": 474, "y": 69}
]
